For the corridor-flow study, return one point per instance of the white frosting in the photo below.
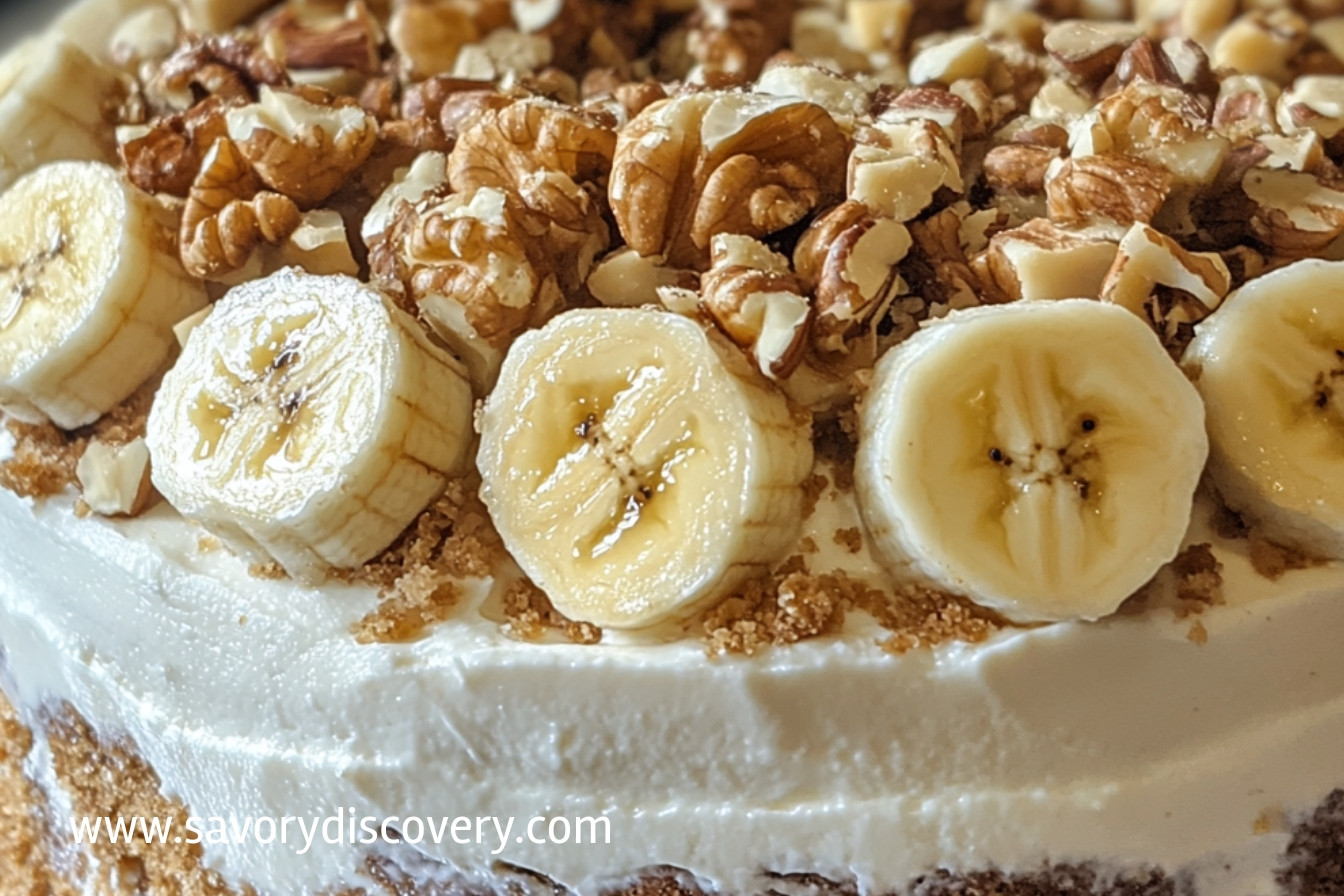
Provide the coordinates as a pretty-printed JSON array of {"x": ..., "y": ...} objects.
[{"x": 1120, "y": 739}]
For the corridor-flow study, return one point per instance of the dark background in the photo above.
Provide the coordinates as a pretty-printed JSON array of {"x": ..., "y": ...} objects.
[{"x": 18, "y": 18}]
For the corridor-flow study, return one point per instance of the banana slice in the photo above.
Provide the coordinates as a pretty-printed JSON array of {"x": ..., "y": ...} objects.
[
  {"x": 1038, "y": 457},
  {"x": 90, "y": 287},
  {"x": 52, "y": 105},
  {"x": 637, "y": 467},
  {"x": 308, "y": 421},
  {"x": 1270, "y": 366}
]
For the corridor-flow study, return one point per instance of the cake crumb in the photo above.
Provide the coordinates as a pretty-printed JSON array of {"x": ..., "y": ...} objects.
[
  {"x": 45, "y": 456},
  {"x": 813, "y": 487},
  {"x": 531, "y": 613},
  {"x": 270, "y": 571},
  {"x": 850, "y": 539},
  {"x": 1313, "y": 863},
  {"x": 1271, "y": 559},
  {"x": 784, "y": 607},
  {"x": 111, "y": 780},
  {"x": 418, "y": 576},
  {"x": 1199, "y": 578},
  {"x": 922, "y": 617},
  {"x": 1271, "y": 820},
  {"x": 44, "y": 460},
  {"x": 208, "y": 543},
  {"x": 808, "y": 545},
  {"x": 1197, "y": 634}
]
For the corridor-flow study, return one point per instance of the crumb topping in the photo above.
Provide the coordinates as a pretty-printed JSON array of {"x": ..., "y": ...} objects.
[
  {"x": 1199, "y": 578},
  {"x": 531, "y": 615},
  {"x": 418, "y": 576}
]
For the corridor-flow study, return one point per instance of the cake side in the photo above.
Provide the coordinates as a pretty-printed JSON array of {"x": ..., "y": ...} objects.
[{"x": 1117, "y": 739}]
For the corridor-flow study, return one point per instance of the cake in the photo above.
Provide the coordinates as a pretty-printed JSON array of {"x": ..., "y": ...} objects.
[{"x": 554, "y": 443}]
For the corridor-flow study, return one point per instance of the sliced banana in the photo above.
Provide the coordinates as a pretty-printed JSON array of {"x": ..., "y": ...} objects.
[
  {"x": 90, "y": 288},
  {"x": 637, "y": 467},
  {"x": 1038, "y": 457},
  {"x": 308, "y": 421},
  {"x": 53, "y": 99},
  {"x": 1270, "y": 366}
]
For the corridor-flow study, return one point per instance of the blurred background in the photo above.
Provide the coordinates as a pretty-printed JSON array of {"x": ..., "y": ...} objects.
[{"x": 21, "y": 17}]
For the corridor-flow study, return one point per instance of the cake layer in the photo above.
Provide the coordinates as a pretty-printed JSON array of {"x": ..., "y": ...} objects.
[{"x": 1122, "y": 740}]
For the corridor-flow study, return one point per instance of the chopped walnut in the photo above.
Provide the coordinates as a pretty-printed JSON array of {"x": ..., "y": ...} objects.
[
  {"x": 347, "y": 41},
  {"x": 897, "y": 168},
  {"x": 1315, "y": 103},
  {"x": 711, "y": 162},
  {"x": 964, "y": 56},
  {"x": 626, "y": 279},
  {"x": 1195, "y": 283},
  {"x": 844, "y": 98},
  {"x": 474, "y": 266},
  {"x": 114, "y": 479},
  {"x": 543, "y": 151},
  {"x": 1261, "y": 43},
  {"x": 1295, "y": 213},
  {"x": 303, "y": 143},
  {"x": 848, "y": 260},
  {"x": 1089, "y": 51},
  {"x": 879, "y": 24},
  {"x": 736, "y": 37},
  {"x": 1040, "y": 260},
  {"x": 1245, "y": 107},
  {"x": 1019, "y": 168},
  {"x": 757, "y": 301},
  {"x": 1165, "y": 126},
  {"x": 224, "y": 65},
  {"x": 1089, "y": 189},
  {"x": 228, "y": 215},
  {"x": 428, "y": 35},
  {"x": 167, "y": 157}
]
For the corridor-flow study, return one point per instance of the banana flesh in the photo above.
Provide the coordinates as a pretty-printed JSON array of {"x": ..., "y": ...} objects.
[
  {"x": 637, "y": 467},
  {"x": 1270, "y": 367},
  {"x": 1038, "y": 457},
  {"x": 52, "y": 98},
  {"x": 308, "y": 421},
  {"x": 90, "y": 288}
]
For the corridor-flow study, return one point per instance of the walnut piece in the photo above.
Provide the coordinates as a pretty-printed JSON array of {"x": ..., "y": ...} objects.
[
  {"x": 228, "y": 215},
  {"x": 896, "y": 168},
  {"x": 1165, "y": 126},
  {"x": 1090, "y": 189},
  {"x": 1040, "y": 260},
  {"x": 847, "y": 259},
  {"x": 474, "y": 266},
  {"x": 756, "y": 300},
  {"x": 303, "y": 143},
  {"x": 1295, "y": 213},
  {"x": 348, "y": 41},
  {"x": 1196, "y": 283},
  {"x": 167, "y": 156},
  {"x": 736, "y": 37},
  {"x": 701, "y": 164},
  {"x": 114, "y": 479}
]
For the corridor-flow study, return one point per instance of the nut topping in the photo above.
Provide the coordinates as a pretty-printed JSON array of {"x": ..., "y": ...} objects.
[
  {"x": 701, "y": 164},
  {"x": 303, "y": 143},
  {"x": 756, "y": 300}
]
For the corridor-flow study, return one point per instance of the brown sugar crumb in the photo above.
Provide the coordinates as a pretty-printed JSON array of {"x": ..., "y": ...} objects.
[
  {"x": 44, "y": 460},
  {"x": 270, "y": 571},
  {"x": 418, "y": 575},
  {"x": 111, "y": 780},
  {"x": 785, "y": 607},
  {"x": 1270, "y": 821},
  {"x": 45, "y": 456},
  {"x": 1197, "y": 634},
  {"x": 835, "y": 440},
  {"x": 1199, "y": 578},
  {"x": 531, "y": 614},
  {"x": 813, "y": 487},
  {"x": 808, "y": 545},
  {"x": 1271, "y": 559},
  {"x": 850, "y": 539},
  {"x": 922, "y": 617},
  {"x": 24, "y": 839},
  {"x": 1050, "y": 880}
]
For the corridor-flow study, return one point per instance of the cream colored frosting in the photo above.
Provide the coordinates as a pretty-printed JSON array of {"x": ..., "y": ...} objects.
[{"x": 1121, "y": 740}]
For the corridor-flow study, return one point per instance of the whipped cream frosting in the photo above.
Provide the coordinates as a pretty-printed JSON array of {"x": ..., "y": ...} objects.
[{"x": 1121, "y": 740}]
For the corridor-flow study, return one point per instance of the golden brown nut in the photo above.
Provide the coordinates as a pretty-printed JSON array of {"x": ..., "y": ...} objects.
[{"x": 714, "y": 162}]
